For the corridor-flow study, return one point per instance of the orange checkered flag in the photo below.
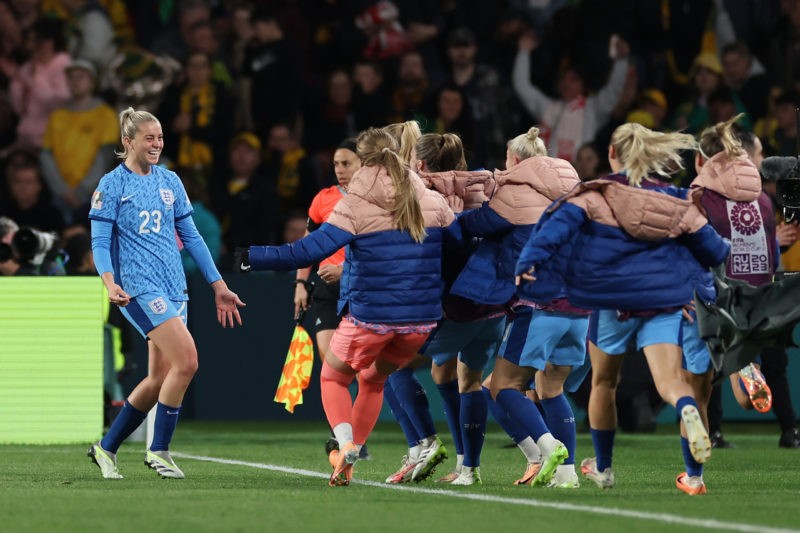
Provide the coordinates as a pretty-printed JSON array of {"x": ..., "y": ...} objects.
[{"x": 296, "y": 373}]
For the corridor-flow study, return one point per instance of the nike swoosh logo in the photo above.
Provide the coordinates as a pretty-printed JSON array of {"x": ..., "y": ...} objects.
[
  {"x": 126, "y": 198},
  {"x": 172, "y": 412}
]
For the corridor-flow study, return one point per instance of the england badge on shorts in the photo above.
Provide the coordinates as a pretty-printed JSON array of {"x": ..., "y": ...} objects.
[
  {"x": 167, "y": 196},
  {"x": 158, "y": 306}
]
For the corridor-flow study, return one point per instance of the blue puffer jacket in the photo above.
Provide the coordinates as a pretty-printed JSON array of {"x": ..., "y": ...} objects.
[
  {"x": 632, "y": 249},
  {"x": 523, "y": 193},
  {"x": 387, "y": 276}
]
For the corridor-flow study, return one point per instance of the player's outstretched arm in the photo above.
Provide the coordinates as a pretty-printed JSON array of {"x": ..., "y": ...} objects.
[{"x": 227, "y": 303}]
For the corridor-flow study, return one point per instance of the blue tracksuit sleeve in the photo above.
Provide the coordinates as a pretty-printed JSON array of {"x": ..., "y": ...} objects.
[
  {"x": 482, "y": 222},
  {"x": 194, "y": 244},
  {"x": 707, "y": 246},
  {"x": 311, "y": 249},
  {"x": 549, "y": 235}
]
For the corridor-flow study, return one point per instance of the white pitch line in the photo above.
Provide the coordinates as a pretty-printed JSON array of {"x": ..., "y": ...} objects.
[{"x": 529, "y": 502}]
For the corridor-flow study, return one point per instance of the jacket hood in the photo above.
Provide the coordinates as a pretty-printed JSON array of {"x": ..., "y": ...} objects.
[
  {"x": 734, "y": 178},
  {"x": 549, "y": 176},
  {"x": 374, "y": 184},
  {"x": 474, "y": 187}
]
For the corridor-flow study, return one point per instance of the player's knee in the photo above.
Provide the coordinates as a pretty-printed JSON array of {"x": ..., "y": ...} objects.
[
  {"x": 329, "y": 373},
  {"x": 372, "y": 377}
]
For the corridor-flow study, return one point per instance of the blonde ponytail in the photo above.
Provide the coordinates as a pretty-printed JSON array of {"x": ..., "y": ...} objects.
[
  {"x": 527, "y": 145},
  {"x": 406, "y": 134},
  {"x": 642, "y": 151},
  {"x": 721, "y": 137},
  {"x": 378, "y": 147}
]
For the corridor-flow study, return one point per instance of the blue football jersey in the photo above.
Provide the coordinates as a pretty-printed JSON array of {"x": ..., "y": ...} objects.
[{"x": 143, "y": 210}]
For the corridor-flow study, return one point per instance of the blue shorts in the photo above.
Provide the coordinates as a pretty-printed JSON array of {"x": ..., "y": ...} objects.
[
  {"x": 535, "y": 338},
  {"x": 614, "y": 336},
  {"x": 149, "y": 310},
  {"x": 475, "y": 343},
  {"x": 696, "y": 358}
]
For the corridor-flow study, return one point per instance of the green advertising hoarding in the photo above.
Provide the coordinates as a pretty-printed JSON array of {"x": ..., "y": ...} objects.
[{"x": 51, "y": 359}]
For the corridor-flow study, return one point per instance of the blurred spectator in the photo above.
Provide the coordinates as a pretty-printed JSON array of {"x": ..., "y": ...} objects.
[
  {"x": 783, "y": 59},
  {"x": 449, "y": 112},
  {"x": 115, "y": 10},
  {"x": 39, "y": 85},
  {"x": 91, "y": 35},
  {"x": 79, "y": 143},
  {"x": 27, "y": 202},
  {"x": 650, "y": 109},
  {"x": 241, "y": 31},
  {"x": 79, "y": 252},
  {"x": 294, "y": 228},
  {"x": 488, "y": 98},
  {"x": 705, "y": 77},
  {"x": 370, "y": 97},
  {"x": 270, "y": 76},
  {"x": 28, "y": 12},
  {"x": 245, "y": 203},
  {"x": 202, "y": 37},
  {"x": 722, "y": 105},
  {"x": 290, "y": 171},
  {"x": 174, "y": 42},
  {"x": 8, "y": 124},
  {"x": 196, "y": 116},
  {"x": 424, "y": 24},
  {"x": 380, "y": 23},
  {"x": 330, "y": 118},
  {"x": 411, "y": 90},
  {"x": 205, "y": 221},
  {"x": 782, "y": 139},
  {"x": 10, "y": 35},
  {"x": 591, "y": 163},
  {"x": 752, "y": 90},
  {"x": 574, "y": 118},
  {"x": 8, "y": 267}
]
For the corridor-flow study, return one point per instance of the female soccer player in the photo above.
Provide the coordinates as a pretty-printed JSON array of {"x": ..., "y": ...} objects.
[
  {"x": 461, "y": 336},
  {"x": 136, "y": 212},
  {"x": 624, "y": 258},
  {"x": 390, "y": 288},
  {"x": 741, "y": 212},
  {"x": 529, "y": 184}
]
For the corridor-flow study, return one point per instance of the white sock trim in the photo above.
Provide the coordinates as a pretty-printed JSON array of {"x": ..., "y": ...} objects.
[
  {"x": 530, "y": 450},
  {"x": 343, "y": 433}
]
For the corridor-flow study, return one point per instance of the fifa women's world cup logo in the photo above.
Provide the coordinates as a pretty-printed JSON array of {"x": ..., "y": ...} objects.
[{"x": 746, "y": 219}]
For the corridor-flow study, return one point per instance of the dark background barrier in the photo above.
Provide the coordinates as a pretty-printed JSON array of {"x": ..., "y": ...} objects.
[{"x": 240, "y": 367}]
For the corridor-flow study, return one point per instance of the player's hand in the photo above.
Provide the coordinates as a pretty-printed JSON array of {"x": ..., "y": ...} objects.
[
  {"x": 330, "y": 273},
  {"x": 527, "y": 276},
  {"x": 228, "y": 304},
  {"x": 241, "y": 259},
  {"x": 300, "y": 298},
  {"x": 117, "y": 296},
  {"x": 687, "y": 311}
]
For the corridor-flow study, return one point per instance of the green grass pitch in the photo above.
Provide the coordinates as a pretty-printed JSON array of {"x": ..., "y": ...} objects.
[{"x": 754, "y": 487}]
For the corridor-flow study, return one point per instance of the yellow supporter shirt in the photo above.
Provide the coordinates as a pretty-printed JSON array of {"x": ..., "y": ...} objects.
[{"x": 74, "y": 137}]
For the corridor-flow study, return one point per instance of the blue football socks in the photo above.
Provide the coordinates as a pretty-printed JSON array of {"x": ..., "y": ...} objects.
[
  {"x": 452, "y": 411},
  {"x": 166, "y": 420},
  {"x": 473, "y": 426},
  {"x": 128, "y": 419}
]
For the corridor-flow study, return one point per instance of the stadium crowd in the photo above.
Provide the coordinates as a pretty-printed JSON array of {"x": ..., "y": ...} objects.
[{"x": 255, "y": 98}]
